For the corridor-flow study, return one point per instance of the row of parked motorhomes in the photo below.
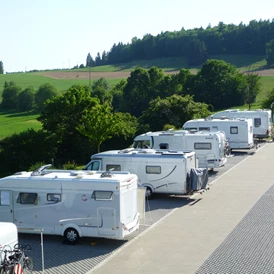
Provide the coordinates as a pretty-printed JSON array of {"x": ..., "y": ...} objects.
[{"x": 107, "y": 197}]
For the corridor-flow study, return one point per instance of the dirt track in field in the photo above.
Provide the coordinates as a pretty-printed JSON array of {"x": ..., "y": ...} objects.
[
  {"x": 92, "y": 75},
  {"x": 115, "y": 75}
]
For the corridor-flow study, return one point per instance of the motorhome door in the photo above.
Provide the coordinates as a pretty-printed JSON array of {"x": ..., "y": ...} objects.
[
  {"x": 210, "y": 159},
  {"x": 106, "y": 221},
  {"x": 6, "y": 206}
]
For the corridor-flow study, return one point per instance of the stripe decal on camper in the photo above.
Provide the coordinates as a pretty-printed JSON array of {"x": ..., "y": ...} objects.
[{"x": 165, "y": 176}]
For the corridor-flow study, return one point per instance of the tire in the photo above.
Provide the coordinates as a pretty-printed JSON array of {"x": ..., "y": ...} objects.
[
  {"x": 9, "y": 269},
  {"x": 71, "y": 235},
  {"x": 28, "y": 266},
  {"x": 149, "y": 193}
]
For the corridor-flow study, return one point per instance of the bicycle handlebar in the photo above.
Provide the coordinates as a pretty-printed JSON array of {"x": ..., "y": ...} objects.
[{"x": 22, "y": 247}]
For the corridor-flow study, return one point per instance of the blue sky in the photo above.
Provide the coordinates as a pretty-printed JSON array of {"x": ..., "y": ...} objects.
[{"x": 48, "y": 34}]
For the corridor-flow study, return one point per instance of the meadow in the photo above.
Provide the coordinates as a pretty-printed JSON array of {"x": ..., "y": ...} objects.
[
  {"x": 13, "y": 122},
  {"x": 63, "y": 79}
]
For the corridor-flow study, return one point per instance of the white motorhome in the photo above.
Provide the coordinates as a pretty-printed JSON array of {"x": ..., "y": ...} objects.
[
  {"x": 8, "y": 236},
  {"x": 210, "y": 147},
  {"x": 261, "y": 118},
  {"x": 71, "y": 203},
  {"x": 239, "y": 132},
  {"x": 158, "y": 171}
]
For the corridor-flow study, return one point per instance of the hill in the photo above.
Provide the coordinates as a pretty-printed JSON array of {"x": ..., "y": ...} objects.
[{"x": 63, "y": 79}]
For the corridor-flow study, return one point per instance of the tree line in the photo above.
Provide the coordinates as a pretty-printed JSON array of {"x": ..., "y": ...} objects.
[
  {"x": 1, "y": 67},
  {"x": 87, "y": 119},
  {"x": 255, "y": 38},
  {"x": 14, "y": 98}
]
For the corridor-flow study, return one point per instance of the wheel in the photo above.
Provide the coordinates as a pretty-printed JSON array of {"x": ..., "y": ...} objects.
[
  {"x": 71, "y": 235},
  {"x": 149, "y": 193},
  {"x": 7, "y": 270},
  {"x": 28, "y": 266}
]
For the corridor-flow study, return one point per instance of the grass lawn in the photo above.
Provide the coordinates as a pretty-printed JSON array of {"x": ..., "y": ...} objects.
[
  {"x": 14, "y": 122},
  {"x": 32, "y": 79}
]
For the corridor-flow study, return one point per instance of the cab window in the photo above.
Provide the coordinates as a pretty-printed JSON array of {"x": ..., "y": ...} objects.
[{"x": 94, "y": 165}]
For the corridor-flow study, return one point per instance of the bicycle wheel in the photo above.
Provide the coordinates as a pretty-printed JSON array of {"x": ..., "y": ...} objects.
[
  {"x": 7, "y": 270},
  {"x": 28, "y": 266}
]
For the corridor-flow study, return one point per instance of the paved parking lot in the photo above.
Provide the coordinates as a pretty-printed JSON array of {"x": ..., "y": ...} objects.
[{"x": 89, "y": 252}]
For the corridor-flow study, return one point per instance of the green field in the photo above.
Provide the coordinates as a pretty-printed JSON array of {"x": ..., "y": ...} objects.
[
  {"x": 11, "y": 123},
  {"x": 33, "y": 79}
]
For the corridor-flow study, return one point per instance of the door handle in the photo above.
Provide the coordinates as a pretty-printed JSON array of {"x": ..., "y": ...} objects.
[{"x": 11, "y": 211}]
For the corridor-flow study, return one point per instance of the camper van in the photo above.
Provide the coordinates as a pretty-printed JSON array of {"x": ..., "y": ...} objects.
[
  {"x": 8, "y": 235},
  {"x": 167, "y": 172},
  {"x": 210, "y": 147},
  {"x": 71, "y": 203},
  {"x": 239, "y": 132},
  {"x": 261, "y": 118}
]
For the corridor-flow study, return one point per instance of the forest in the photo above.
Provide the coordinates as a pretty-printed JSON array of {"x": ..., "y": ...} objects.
[{"x": 197, "y": 45}]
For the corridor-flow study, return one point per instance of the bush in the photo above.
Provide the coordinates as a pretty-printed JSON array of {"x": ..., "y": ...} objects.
[
  {"x": 36, "y": 166},
  {"x": 70, "y": 165}
]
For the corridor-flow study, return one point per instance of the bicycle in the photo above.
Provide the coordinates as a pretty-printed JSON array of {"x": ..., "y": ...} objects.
[
  {"x": 24, "y": 264},
  {"x": 7, "y": 265},
  {"x": 17, "y": 263}
]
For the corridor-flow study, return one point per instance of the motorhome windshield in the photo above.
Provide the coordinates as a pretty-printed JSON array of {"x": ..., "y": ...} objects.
[{"x": 141, "y": 144}]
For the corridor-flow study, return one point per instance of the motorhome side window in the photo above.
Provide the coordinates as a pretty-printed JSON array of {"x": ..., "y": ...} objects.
[
  {"x": 204, "y": 129},
  {"x": 115, "y": 167},
  {"x": 214, "y": 128},
  {"x": 257, "y": 122},
  {"x": 153, "y": 169},
  {"x": 26, "y": 198},
  {"x": 201, "y": 146},
  {"x": 102, "y": 195},
  {"x": 4, "y": 198},
  {"x": 163, "y": 146},
  {"x": 190, "y": 128},
  {"x": 51, "y": 197},
  {"x": 234, "y": 130}
]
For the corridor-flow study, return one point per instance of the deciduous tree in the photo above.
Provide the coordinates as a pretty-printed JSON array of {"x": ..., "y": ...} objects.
[
  {"x": 61, "y": 117},
  {"x": 141, "y": 87},
  {"x": 63, "y": 113},
  {"x": 10, "y": 96},
  {"x": 26, "y": 99},
  {"x": 102, "y": 90},
  {"x": 267, "y": 102},
  {"x": 220, "y": 84},
  {"x": 174, "y": 110},
  {"x": 100, "y": 124},
  {"x": 44, "y": 92},
  {"x": 253, "y": 88}
]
